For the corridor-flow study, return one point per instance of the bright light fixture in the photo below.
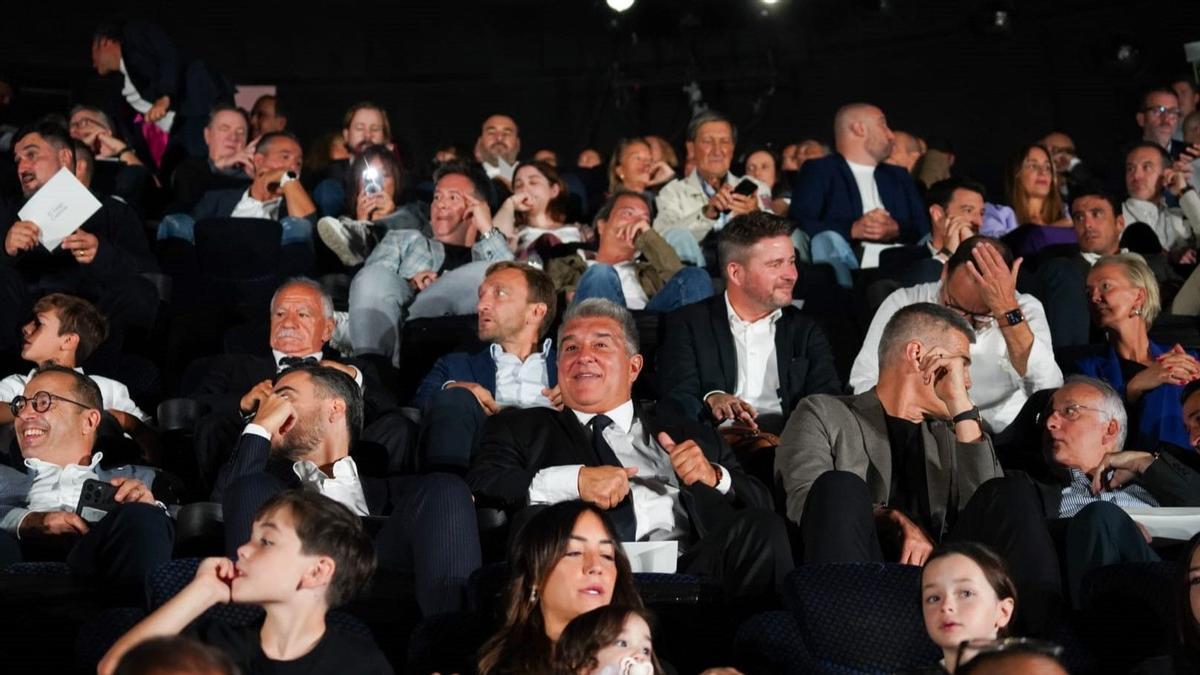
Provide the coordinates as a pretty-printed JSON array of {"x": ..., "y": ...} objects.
[{"x": 619, "y": 5}]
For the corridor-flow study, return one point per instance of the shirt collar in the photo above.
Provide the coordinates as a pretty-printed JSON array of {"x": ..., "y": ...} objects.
[
  {"x": 39, "y": 464},
  {"x": 269, "y": 203},
  {"x": 307, "y": 471},
  {"x": 735, "y": 320},
  {"x": 497, "y": 351},
  {"x": 78, "y": 369},
  {"x": 279, "y": 355},
  {"x": 622, "y": 416}
]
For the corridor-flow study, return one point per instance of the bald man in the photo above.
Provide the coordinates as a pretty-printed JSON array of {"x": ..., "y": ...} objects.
[{"x": 851, "y": 200}]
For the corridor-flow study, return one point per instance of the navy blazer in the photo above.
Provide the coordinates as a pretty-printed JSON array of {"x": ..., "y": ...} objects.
[
  {"x": 1159, "y": 413},
  {"x": 478, "y": 368},
  {"x": 825, "y": 197},
  {"x": 220, "y": 204}
]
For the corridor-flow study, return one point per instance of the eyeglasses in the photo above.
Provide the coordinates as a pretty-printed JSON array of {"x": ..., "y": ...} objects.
[
  {"x": 1162, "y": 111},
  {"x": 1071, "y": 412},
  {"x": 973, "y": 649},
  {"x": 41, "y": 402},
  {"x": 1038, "y": 167},
  {"x": 978, "y": 321}
]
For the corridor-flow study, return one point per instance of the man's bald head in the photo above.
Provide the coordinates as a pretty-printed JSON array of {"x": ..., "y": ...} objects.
[{"x": 861, "y": 133}]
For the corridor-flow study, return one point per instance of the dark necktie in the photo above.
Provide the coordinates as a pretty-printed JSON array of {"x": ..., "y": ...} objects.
[
  {"x": 290, "y": 361},
  {"x": 622, "y": 516}
]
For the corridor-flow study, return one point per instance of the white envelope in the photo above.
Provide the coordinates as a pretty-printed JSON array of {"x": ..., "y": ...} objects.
[
  {"x": 871, "y": 251},
  {"x": 652, "y": 556},
  {"x": 59, "y": 207},
  {"x": 1167, "y": 522}
]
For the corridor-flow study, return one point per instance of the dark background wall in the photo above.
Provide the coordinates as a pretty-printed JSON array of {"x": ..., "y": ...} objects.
[{"x": 574, "y": 74}]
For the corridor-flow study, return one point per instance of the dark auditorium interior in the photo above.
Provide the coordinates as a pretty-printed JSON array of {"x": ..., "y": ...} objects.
[{"x": 612, "y": 337}]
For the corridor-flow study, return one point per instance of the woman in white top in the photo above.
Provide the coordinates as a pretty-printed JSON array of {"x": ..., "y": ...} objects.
[{"x": 537, "y": 210}]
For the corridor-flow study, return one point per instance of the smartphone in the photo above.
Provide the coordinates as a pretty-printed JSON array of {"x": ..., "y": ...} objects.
[
  {"x": 371, "y": 183},
  {"x": 746, "y": 188},
  {"x": 95, "y": 500}
]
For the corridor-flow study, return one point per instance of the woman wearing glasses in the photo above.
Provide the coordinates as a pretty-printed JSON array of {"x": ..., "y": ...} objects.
[
  {"x": 1036, "y": 216},
  {"x": 1124, "y": 300}
]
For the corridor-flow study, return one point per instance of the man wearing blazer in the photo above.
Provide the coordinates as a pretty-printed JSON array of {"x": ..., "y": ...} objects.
[
  {"x": 887, "y": 474},
  {"x": 304, "y": 435},
  {"x": 516, "y": 307},
  {"x": 851, "y": 196},
  {"x": 747, "y": 355},
  {"x": 657, "y": 480},
  {"x": 234, "y": 385}
]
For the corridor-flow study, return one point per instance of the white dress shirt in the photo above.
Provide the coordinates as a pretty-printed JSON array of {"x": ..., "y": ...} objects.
[
  {"x": 656, "y": 504},
  {"x": 57, "y": 488},
  {"x": 995, "y": 385},
  {"x": 757, "y": 363},
  {"x": 249, "y": 207},
  {"x": 135, "y": 100},
  {"x": 344, "y": 487},
  {"x": 567, "y": 234},
  {"x": 1176, "y": 228},
  {"x": 520, "y": 383},
  {"x": 113, "y": 394}
]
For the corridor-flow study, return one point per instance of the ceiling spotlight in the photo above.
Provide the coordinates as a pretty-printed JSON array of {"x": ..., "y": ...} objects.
[
  {"x": 1000, "y": 19},
  {"x": 769, "y": 2},
  {"x": 619, "y": 5}
]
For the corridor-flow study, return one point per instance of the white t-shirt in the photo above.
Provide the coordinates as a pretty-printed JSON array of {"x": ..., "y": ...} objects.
[
  {"x": 135, "y": 100},
  {"x": 867, "y": 189},
  {"x": 113, "y": 394}
]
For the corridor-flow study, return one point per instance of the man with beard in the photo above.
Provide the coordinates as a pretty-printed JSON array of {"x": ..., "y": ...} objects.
[
  {"x": 304, "y": 434},
  {"x": 497, "y": 147},
  {"x": 746, "y": 356},
  {"x": 851, "y": 201},
  {"x": 516, "y": 307}
]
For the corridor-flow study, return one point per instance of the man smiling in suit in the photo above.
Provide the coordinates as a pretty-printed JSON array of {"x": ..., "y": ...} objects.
[
  {"x": 657, "y": 481},
  {"x": 746, "y": 355}
]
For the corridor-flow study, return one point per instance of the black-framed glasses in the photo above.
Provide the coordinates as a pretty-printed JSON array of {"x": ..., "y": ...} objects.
[
  {"x": 978, "y": 321},
  {"x": 1162, "y": 111},
  {"x": 973, "y": 649},
  {"x": 41, "y": 402}
]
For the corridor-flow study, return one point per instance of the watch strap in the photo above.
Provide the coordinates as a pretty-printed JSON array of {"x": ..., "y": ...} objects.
[{"x": 970, "y": 414}]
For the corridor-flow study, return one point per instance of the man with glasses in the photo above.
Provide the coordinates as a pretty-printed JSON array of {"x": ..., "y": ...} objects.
[
  {"x": 57, "y": 418},
  {"x": 1158, "y": 116},
  {"x": 1087, "y": 479},
  {"x": 1012, "y": 355}
]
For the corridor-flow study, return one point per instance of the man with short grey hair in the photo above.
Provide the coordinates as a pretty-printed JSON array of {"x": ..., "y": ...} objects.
[
  {"x": 706, "y": 199},
  {"x": 887, "y": 474},
  {"x": 656, "y": 481}
]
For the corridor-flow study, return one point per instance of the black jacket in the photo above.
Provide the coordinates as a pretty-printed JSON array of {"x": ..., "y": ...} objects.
[
  {"x": 697, "y": 356},
  {"x": 517, "y": 443}
]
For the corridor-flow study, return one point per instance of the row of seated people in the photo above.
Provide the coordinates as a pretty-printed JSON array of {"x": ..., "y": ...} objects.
[{"x": 524, "y": 460}]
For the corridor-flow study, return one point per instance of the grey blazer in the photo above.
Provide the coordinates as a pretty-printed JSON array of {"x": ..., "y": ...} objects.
[
  {"x": 849, "y": 433},
  {"x": 15, "y": 484}
]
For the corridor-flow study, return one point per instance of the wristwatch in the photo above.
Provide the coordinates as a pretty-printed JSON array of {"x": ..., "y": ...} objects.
[
  {"x": 969, "y": 414},
  {"x": 287, "y": 177},
  {"x": 1014, "y": 317}
]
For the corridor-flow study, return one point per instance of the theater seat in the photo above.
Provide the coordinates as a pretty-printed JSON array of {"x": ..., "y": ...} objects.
[
  {"x": 770, "y": 642},
  {"x": 1127, "y": 612},
  {"x": 860, "y": 617}
]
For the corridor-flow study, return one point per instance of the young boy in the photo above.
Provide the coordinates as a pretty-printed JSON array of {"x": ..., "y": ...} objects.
[
  {"x": 65, "y": 331},
  {"x": 306, "y": 554}
]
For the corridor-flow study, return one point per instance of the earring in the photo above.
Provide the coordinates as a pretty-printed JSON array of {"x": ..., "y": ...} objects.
[
  {"x": 1137, "y": 311},
  {"x": 533, "y": 595}
]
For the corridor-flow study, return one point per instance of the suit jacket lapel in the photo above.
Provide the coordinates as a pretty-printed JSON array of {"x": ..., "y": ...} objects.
[
  {"x": 851, "y": 184},
  {"x": 783, "y": 355},
  {"x": 581, "y": 443},
  {"x": 939, "y": 473},
  {"x": 873, "y": 425},
  {"x": 726, "y": 353},
  {"x": 552, "y": 367},
  {"x": 483, "y": 368}
]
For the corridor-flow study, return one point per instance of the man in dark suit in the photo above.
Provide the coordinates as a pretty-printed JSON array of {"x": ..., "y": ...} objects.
[
  {"x": 516, "y": 307},
  {"x": 102, "y": 261},
  {"x": 658, "y": 481},
  {"x": 886, "y": 474},
  {"x": 850, "y": 200},
  {"x": 160, "y": 83},
  {"x": 748, "y": 355},
  {"x": 304, "y": 435},
  {"x": 57, "y": 419},
  {"x": 235, "y": 385},
  {"x": 275, "y": 194}
]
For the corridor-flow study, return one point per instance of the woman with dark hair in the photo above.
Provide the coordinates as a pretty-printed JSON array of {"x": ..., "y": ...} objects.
[
  {"x": 762, "y": 164},
  {"x": 565, "y": 561},
  {"x": 1038, "y": 217},
  {"x": 373, "y": 181},
  {"x": 966, "y": 595},
  {"x": 537, "y": 211},
  {"x": 610, "y": 640},
  {"x": 1185, "y": 654},
  {"x": 632, "y": 167}
]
